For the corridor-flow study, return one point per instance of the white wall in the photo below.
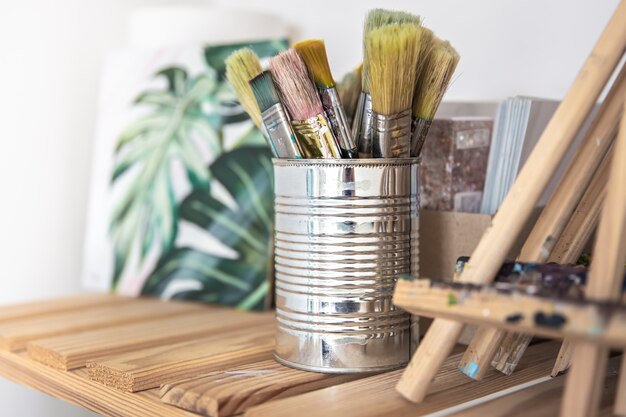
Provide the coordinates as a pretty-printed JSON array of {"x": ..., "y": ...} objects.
[{"x": 50, "y": 57}]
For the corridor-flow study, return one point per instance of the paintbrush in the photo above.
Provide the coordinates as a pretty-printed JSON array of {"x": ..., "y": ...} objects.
[
  {"x": 362, "y": 123},
  {"x": 241, "y": 66},
  {"x": 349, "y": 89},
  {"x": 432, "y": 83},
  {"x": 303, "y": 103},
  {"x": 313, "y": 53},
  {"x": 275, "y": 118},
  {"x": 393, "y": 52}
]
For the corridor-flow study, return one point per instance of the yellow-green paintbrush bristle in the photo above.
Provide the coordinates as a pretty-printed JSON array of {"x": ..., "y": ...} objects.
[
  {"x": 434, "y": 79},
  {"x": 393, "y": 52},
  {"x": 313, "y": 53},
  {"x": 427, "y": 41},
  {"x": 375, "y": 19},
  {"x": 241, "y": 66}
]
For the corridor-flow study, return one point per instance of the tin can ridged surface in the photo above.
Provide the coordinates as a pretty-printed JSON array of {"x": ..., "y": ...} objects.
[{"x": 345, "y": 230}]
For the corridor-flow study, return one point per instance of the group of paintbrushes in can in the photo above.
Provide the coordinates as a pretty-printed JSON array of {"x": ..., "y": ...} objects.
[{"x": 389, "y": 101}]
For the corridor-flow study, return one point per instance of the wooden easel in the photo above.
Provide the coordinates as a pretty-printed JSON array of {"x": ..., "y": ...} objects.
[
  {"x": 517, "y": 206},
  {"x": 511, "y": 308}
]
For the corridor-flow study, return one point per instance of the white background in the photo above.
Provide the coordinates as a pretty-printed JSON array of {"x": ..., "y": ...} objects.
[{"x": 50, "y": 59}]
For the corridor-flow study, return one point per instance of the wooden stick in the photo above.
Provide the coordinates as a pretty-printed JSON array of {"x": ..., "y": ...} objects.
[
  {"x": 518, "y": 310},
  {"x": 575, "y": 236},
  {"x": 620, "y": 399},
  {"x": 488, "y": 344},
  {"x": 522, "y": 198},
  {"x": 583, "y": 386}
]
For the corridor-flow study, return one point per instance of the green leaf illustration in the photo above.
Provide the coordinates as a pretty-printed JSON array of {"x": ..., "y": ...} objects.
[
  {"x": 145, "y": 210},
  {"x": 246, "y": 174}
]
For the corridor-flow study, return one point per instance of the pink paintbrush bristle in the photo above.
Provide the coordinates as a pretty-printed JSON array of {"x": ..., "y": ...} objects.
[{"x": 296, "y": 89}]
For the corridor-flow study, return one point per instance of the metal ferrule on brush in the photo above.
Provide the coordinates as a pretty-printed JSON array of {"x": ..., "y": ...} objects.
[
  {"x": 419, "y": 129},
  {"x": 391, "y": 135},
  {"x": 338, "y": 122},
  {"x": 280, "y": 132},
  {"x": 362, "y": 125},
  {"x": 315, "y": 138}
]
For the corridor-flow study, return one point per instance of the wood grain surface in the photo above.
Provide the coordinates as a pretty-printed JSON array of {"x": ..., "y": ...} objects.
[
  {"x": 57, "y": 305},
  {"x": 79, "y": 390},
  {"x": 149, "y": 368},
  {"x": 14, "y": 335},
  {"x": 541, "y": 400},
  {"x": 72, "y": 351},
  {"x": 233, "y": 391},
  {"x": 376, "y": 395}
]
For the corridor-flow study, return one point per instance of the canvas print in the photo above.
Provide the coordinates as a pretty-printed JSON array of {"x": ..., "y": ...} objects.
[{"x": 183, "y": 207}]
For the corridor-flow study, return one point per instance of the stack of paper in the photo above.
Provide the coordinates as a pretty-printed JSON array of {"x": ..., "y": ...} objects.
[{"x": 518, "y": 126}]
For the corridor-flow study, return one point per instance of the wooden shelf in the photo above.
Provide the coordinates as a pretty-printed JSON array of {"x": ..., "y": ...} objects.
[{"x": 185, "y": 359}]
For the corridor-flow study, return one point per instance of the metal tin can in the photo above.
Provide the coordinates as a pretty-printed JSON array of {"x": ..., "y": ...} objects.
[{"x": 345, "y": 230}]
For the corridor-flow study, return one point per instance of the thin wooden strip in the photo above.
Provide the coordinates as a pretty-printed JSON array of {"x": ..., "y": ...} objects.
[
  {"x": 582, "y": 320},
  {"x": 57, "y": 305},
  {"x": 376, "y": 396},
  {"x": 78, "y": 390},
  {"x": 567, "y": 251},
  {"x": 150, "y": 368},
  {"x": 541, "y": 400},
  {"x": 16, "y": 334},
  {"x": 73, "y": 351},
  {"x": 582, "y": 392},
  {"x": 224, "y": 393}
]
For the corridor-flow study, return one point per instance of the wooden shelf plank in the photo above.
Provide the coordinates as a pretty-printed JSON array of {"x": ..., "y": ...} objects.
[
  {"x": 79, "y": 390},
  {"x": 16, "y": 334},
  {"x": 73, "y": 351},
  {"x": 57, "y": 305},
  {"x": 149, "y": 368},
  {"x": 233, "y": 391},
  {"x": 376, "y": 395},
  {"x": 541, "y": 400}
]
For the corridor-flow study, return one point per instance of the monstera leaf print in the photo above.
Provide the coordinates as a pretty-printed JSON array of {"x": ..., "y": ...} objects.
[
  {"x": 175, "y": 131},
  {"x": 245, "y": 226}
]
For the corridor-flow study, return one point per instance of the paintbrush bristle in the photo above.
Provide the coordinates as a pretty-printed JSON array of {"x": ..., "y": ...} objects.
[
  {"x": 313, "y": 53},
  {"x": 264, "y": 90},
  {"x": 375, "y": 19},
  {"x": 428, "y": 40},
  {"x": 380, "y": 17},
  {"x": 295, "y": 88},
  {"x": 241, "y": 66},
  {"x": 393, "y": 52},
  {"x": 349, "y": 90},
  {"x": 434, "y": 79}
]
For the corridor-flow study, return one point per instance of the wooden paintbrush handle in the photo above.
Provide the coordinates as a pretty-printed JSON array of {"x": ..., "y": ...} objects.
[
  {"x": 523, "y": 196},
  {"x": 575, "y": 236},
  {"x": 584, "y": 381}
]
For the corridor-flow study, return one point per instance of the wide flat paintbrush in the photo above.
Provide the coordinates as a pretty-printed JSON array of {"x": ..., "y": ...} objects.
[
  {"x": 362, "y": 122},
  {"x": 349, "y": 89},
  {"x": 393, "y": 52},
  {"x": 275, "y": 118},
  {"x": 313, "y": 53},
  {"x": 241, "y": 66},
  {"x": 432, "y": 83},
  {"x": 303, "y": 103}
]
